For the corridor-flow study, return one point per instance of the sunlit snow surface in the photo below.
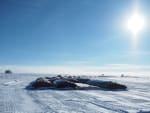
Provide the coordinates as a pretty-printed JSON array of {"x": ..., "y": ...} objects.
[{"x": 14, "y": 98}]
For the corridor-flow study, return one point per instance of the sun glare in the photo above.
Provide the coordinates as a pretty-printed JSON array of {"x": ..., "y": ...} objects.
[{"x": 135, "y": 23}]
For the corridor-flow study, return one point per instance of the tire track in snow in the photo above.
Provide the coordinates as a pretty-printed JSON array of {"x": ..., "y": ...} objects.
[
  {"x": 106, "y": 105},
  {"x": 46, "y": 108}
]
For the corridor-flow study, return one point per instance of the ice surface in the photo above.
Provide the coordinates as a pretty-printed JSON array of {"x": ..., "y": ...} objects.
[{"x": 14, "y": 98}]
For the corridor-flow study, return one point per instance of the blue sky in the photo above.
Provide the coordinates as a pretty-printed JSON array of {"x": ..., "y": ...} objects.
[{"x": 76, "y": 33}]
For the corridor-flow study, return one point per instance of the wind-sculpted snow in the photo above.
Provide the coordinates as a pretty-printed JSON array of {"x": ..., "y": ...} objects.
[{"x": 14, "y": 98}]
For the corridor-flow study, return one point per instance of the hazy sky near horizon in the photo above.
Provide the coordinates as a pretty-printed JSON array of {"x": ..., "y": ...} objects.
[{"x": 70, "y": 33}]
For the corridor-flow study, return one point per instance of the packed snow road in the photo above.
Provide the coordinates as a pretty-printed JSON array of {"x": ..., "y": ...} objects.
[{"x": 14, "y": 98}]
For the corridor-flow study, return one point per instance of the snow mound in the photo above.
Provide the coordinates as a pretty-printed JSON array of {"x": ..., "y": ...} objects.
[{"x": 68, "y": 82}]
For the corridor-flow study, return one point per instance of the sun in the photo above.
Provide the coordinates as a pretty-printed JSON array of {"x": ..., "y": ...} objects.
[{"x": 135, "y": 23}]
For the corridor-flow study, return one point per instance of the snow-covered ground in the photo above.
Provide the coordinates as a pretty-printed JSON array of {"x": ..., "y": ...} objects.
[{"x": 14, "y": 98}]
